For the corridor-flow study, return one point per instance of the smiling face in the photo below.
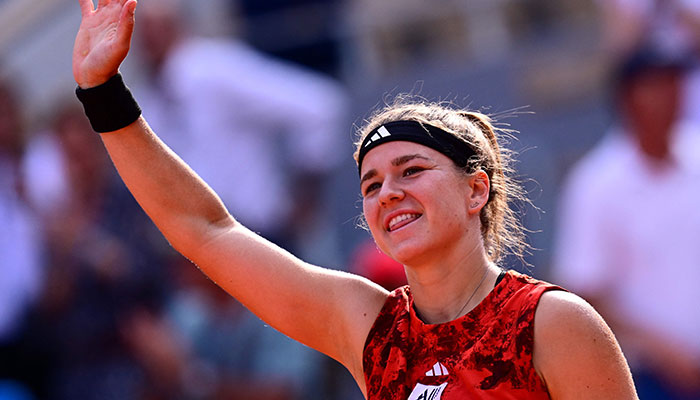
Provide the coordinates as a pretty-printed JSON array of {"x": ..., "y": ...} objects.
[{"x": 418, "y": 206}]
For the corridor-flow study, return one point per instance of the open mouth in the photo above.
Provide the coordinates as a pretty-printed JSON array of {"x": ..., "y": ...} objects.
[{"x": 402, "y": 220}]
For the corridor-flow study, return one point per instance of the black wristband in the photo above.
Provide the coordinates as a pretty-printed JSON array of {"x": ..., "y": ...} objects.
[{"x": 109, "y": 106}]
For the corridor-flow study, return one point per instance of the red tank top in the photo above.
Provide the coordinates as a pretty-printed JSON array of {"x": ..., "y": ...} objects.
[{"x": 486, "y": 354}]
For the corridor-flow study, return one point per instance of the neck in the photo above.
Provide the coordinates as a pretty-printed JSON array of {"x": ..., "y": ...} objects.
[{"x": 449, "y": 289}]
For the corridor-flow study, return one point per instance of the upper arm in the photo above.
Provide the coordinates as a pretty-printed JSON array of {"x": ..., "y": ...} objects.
[
  {"x": 328, "y": 310},
  {"x": 576, "y": 353}
]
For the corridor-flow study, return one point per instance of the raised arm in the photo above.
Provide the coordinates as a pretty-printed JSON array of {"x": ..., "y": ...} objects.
[{"x": 328, "y": 310}]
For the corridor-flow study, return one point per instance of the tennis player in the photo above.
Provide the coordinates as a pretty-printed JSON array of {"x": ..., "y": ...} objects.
[{"x": 435, "y": 193}]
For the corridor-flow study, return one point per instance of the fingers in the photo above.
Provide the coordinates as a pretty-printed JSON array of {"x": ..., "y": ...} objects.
[
  {"x": 126, "y": 22},
  {"x": 86, "y": 6}
]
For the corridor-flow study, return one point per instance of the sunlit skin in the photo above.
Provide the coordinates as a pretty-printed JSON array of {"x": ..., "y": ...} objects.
[
  {"x": 440, "y": 243},
  {"x": 328, "y": 310}
]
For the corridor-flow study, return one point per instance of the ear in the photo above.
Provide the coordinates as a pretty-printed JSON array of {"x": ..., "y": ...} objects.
[{"x": 480, "y": 186}]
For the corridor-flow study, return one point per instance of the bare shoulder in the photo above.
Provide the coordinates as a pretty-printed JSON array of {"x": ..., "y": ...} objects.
[
  {"x": 362, "y": 301},
  {"x": 558, "y": 307},
  {"x": 576, "y": 353}
]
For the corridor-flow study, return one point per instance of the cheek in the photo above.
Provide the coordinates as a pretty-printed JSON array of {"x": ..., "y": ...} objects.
[
  {"x": 370, "y": 213},
  {"x": 374, "y": 225},
  {"x": 453, "y": 211}
]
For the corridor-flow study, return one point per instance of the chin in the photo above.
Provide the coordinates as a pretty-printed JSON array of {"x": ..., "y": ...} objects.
[{"x": 408, "y": 253}]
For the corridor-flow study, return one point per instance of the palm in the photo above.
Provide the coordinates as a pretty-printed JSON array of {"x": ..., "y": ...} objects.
[{"x": 102, "y": 41}]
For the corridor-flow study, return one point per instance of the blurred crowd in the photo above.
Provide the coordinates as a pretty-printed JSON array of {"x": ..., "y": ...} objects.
[{"x": 94, "y": 304}]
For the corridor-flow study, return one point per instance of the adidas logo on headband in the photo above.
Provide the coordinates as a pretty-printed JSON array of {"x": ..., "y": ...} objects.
[
  {"x": 382, "y": 132},
  {"x": 457, "y": 149}
]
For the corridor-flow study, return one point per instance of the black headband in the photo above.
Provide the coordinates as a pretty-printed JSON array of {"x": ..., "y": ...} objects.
[{"x": 446, "y": 143}]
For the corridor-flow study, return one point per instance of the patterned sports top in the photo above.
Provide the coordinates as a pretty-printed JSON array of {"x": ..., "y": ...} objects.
[{"x": 486, "y": 354}]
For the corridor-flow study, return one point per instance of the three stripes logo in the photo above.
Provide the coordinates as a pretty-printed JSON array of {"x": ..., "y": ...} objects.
[
  {"x": 430, "y": 392},
  {"x": 382, "y": 132},
  {"x": 437, "y": 370}
]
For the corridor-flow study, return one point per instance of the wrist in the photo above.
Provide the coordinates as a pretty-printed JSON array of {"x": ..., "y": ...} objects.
[
  {"x": 109, "y": 106},
  {"x": 88, "y": 82}
]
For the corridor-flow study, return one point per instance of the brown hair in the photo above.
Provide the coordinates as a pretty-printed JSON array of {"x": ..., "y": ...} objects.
[{"x": 501, "y": 230}]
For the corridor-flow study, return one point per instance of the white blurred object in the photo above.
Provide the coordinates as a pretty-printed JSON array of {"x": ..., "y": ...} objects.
[{"x": 20, "y": 268}]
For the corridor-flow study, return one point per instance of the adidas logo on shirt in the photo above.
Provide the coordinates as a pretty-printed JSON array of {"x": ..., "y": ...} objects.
[
  {"x": 437, "y": 370},
  {"x": 430, "y": 392}
]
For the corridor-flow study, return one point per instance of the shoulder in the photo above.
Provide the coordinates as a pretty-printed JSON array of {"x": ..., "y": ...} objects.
[
  {"x": 390, "y": 323},
  {"x": 395, "y": 306},
  {"x": 565, "y": 318},
  {"x": 362, "y": 301},
  {"x": 525, "y": 287},
  {"x": 576, "y": 352},
  {"x": 563, "y": 306}
]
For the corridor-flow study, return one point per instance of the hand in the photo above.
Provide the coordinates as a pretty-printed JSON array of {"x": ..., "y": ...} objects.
[{"x": 103, "y": 40}]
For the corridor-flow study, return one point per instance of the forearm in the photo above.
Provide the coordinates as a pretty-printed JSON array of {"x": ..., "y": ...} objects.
[{"x": 180, "y": 203}]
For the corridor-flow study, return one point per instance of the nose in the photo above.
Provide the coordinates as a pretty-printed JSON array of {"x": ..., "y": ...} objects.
[{"x": 390, "y": 191}]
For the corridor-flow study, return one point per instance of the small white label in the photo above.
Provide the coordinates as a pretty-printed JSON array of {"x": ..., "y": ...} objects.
[{"x": 427, "y": 392}]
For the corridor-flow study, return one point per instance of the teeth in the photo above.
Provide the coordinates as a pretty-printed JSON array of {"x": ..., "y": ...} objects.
[{"x": 400, "y": 218}]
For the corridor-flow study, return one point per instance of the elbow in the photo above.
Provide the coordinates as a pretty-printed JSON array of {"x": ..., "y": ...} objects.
[{"x": 192, "y": 238}]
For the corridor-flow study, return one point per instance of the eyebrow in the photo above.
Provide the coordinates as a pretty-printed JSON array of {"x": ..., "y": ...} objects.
[{"x": 398, "y": 161}]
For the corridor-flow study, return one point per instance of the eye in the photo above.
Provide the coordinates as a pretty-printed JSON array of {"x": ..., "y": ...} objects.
[
  {"x": 412, "y": 170},
  {"x": 372, "y": 187}
]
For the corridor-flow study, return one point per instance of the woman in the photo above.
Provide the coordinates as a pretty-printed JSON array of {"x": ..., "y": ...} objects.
[{"x": 434, "y": 199}]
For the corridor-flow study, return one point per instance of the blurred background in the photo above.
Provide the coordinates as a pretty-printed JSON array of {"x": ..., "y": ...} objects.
[{"x": 262, "y": 98}]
